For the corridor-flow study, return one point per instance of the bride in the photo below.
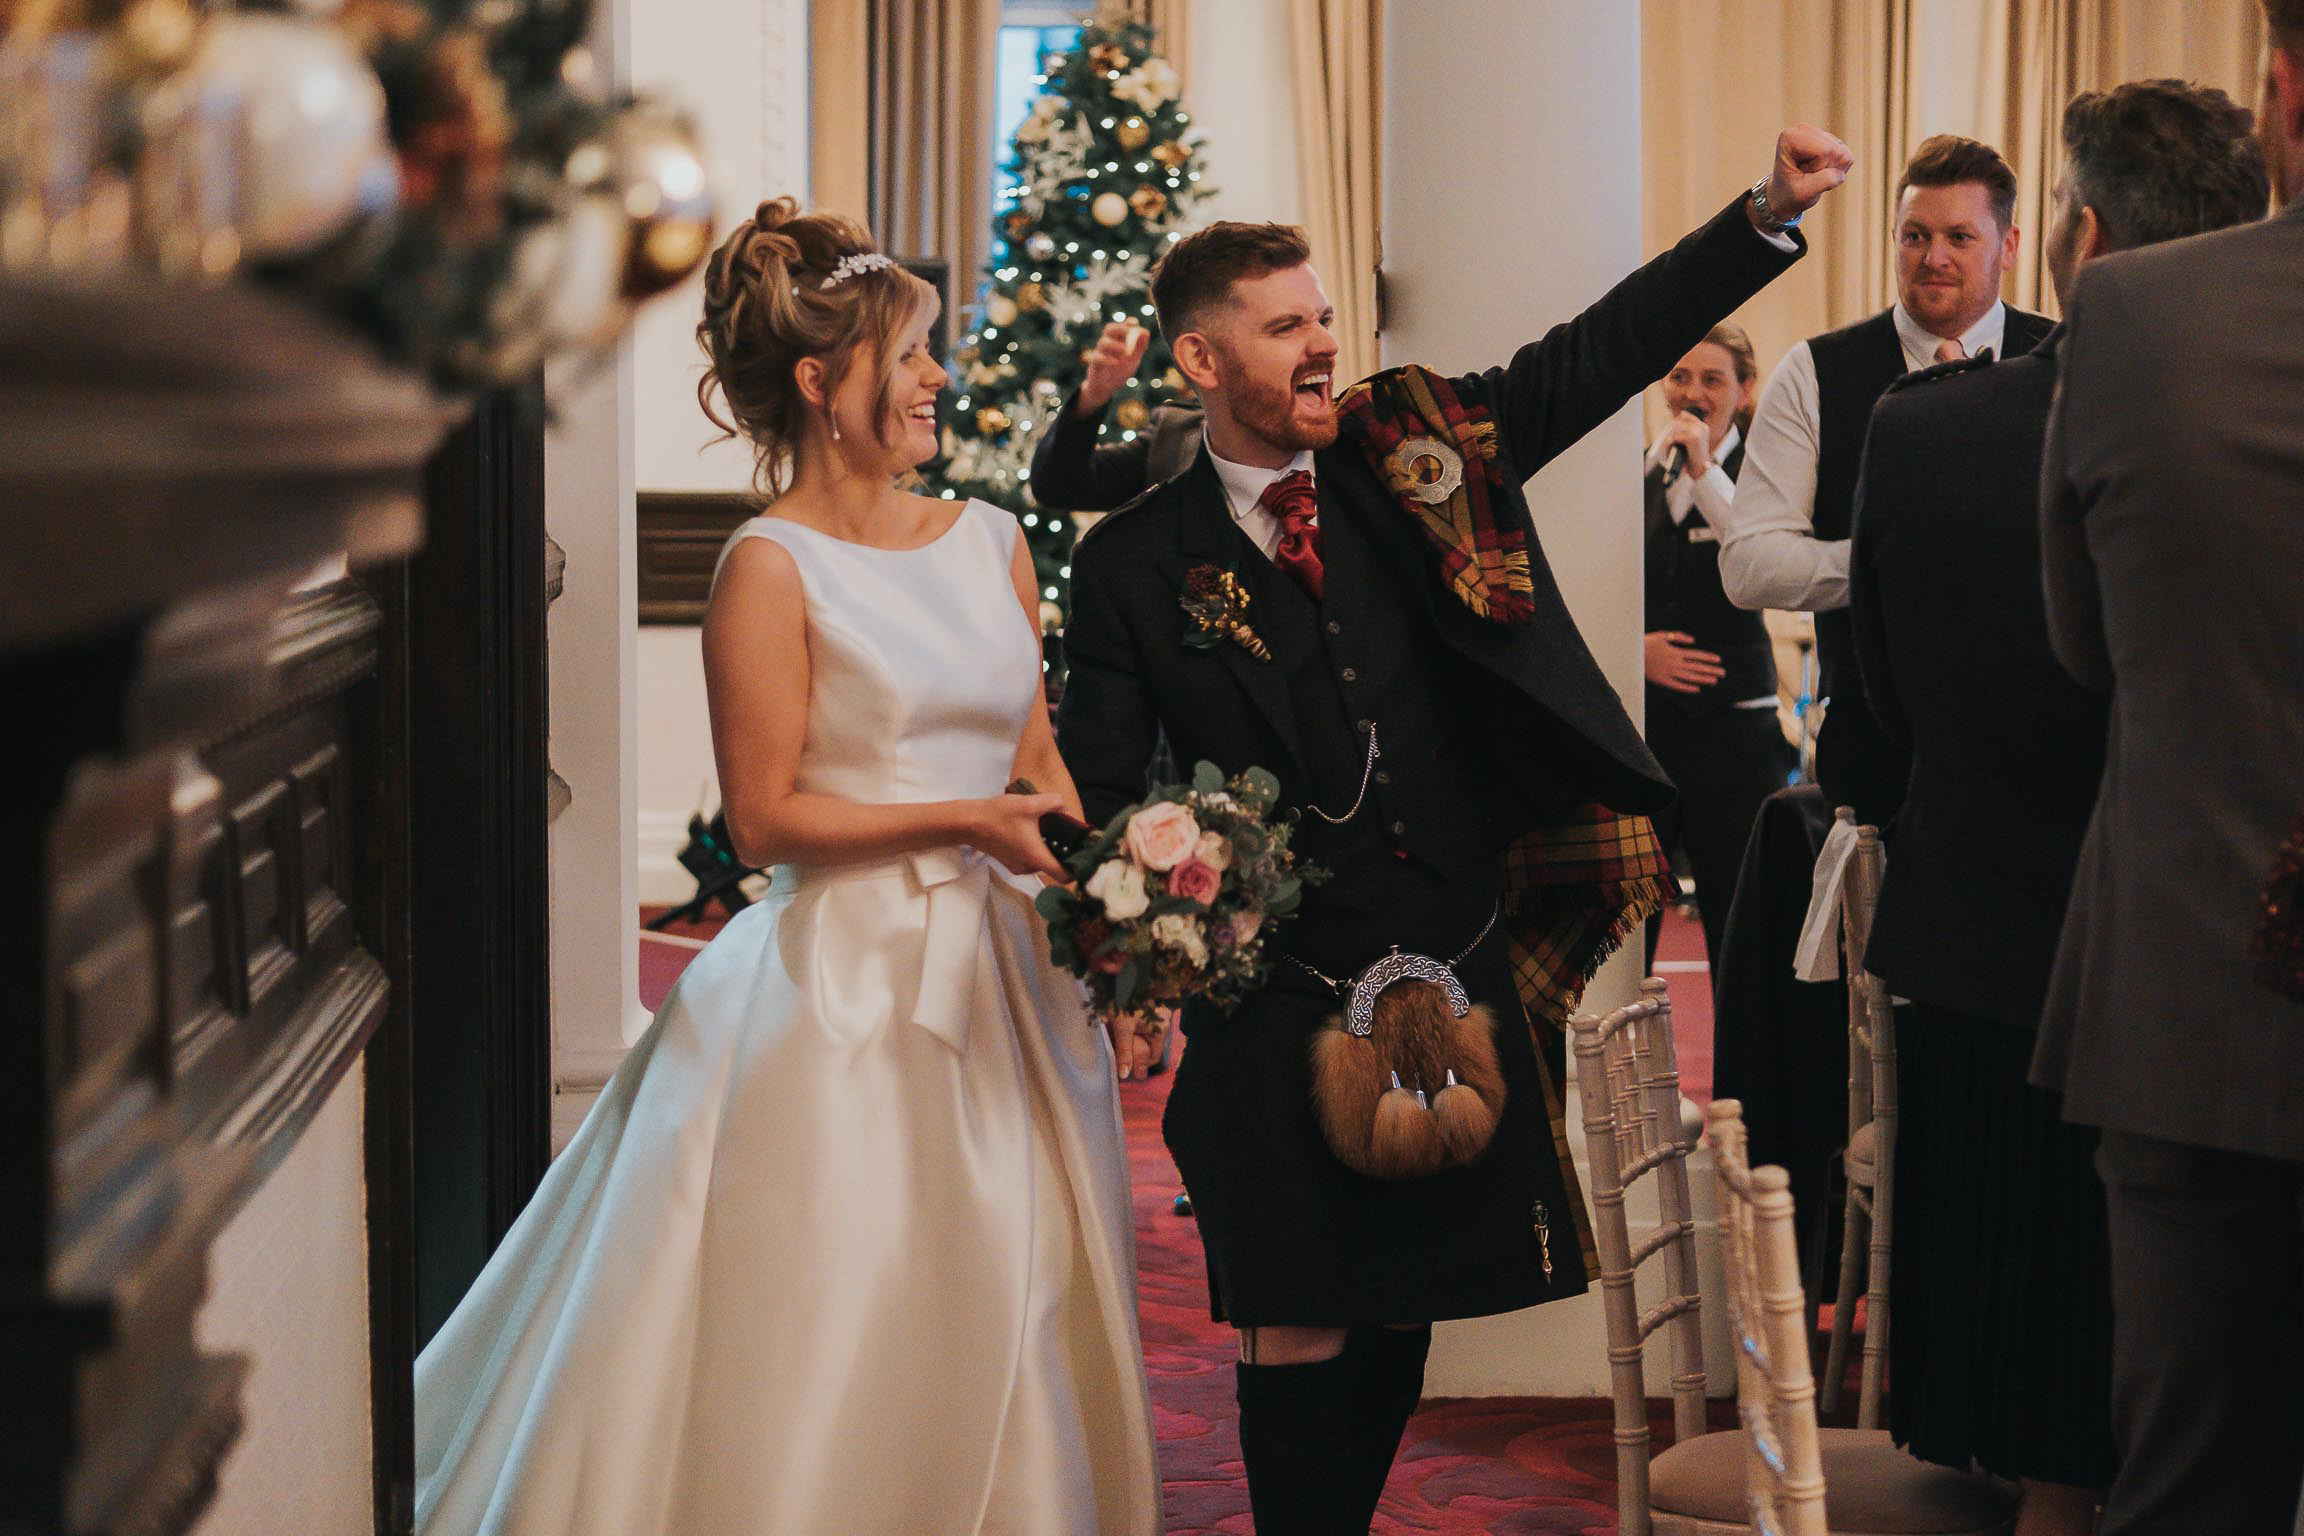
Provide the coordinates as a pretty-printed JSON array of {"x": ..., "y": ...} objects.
[{"x": 845, "y": 1246}]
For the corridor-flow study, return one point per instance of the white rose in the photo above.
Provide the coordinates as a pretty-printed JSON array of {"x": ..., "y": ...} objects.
[
  {"x": 1214, "y": 851},
  {"x": 1183, "y": 934},
  {"x": 1119, "y": 885}
]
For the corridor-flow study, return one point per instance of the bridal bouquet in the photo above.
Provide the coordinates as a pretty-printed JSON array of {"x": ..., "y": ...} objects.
[{"x": 1176, "y": 896}]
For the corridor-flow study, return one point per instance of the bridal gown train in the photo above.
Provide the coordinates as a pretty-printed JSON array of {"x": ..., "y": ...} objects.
[{"x": 845, "y": 1247}]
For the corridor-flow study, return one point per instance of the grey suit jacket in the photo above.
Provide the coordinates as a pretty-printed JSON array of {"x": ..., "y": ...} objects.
[{"x": 2172, "y": 547}]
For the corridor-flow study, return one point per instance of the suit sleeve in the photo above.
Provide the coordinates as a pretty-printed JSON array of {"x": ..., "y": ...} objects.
[
  {"x": 1577, "y": 374},
  {"x": 1106, "y": 727},
  {"x": 1073, "y": 473},
  {"x": 1880, "y": 486},
  {"x": 2067, "y": 572}
]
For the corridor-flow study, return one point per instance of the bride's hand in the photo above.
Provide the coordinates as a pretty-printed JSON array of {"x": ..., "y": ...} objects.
[
  {"x": 1137, "y": 1038},
  {"x": 1008, "y": 829}
]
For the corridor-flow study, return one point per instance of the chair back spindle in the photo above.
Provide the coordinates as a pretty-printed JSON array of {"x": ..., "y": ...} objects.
[
  {"x": 1775, "y": 1390},
  {"x": 1628, "y": 1086}
]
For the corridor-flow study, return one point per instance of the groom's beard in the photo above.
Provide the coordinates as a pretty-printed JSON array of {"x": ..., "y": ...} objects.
[{"x": 1270, "y": 410}]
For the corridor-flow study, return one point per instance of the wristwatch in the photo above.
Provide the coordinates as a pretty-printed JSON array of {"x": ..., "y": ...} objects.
[{"x": 1766, "y": 216}]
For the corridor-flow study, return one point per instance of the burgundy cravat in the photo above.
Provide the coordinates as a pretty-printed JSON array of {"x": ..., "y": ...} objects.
[{"x": 1293, "y": 504}]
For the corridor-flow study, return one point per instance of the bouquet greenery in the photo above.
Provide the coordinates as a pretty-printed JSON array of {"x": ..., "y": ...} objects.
[{"x": 1175, "y": 898}]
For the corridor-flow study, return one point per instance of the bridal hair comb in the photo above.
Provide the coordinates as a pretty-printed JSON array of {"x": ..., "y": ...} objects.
[{"x": 855, "y": 264}]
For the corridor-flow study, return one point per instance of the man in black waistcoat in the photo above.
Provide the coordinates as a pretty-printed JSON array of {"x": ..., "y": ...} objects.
[
  {"x": 1950, "y": 621},
  {"x": 1710, "y": 666},
  {"x": 1785, "y": 543},
  {"x": 1438, "y": 725}
]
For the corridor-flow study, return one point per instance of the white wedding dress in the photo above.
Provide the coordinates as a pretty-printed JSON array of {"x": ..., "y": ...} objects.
[{"x": 845, "y": 1247}]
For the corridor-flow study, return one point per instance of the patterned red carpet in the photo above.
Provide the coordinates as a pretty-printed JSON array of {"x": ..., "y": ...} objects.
[{"x": 1505, "y": 1466}]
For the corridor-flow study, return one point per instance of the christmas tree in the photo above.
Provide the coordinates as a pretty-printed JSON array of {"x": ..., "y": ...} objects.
[{"x": 1105, "y": 179}]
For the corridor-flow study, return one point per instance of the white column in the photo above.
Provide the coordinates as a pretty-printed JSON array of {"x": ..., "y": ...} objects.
[
  {"x": 1511, "y": 200},
  {"x": 596, "y": 1009},
  {"x": 740, "y": 68}
]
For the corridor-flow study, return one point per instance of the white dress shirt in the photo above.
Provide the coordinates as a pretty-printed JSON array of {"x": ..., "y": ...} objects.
[
  {"x": 1710, "y": 492},
  {"x": 1244, "y": 487},
  {"x": 1770, "y": 556}
]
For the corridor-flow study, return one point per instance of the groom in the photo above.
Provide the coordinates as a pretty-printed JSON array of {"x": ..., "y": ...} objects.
[{"x": 1454, "y": 757}]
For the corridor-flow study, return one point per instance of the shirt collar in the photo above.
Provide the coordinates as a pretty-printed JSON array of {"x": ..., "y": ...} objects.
[
  {"x": 1244, "y": 483},
  {"x": 1920, "y": 343}
]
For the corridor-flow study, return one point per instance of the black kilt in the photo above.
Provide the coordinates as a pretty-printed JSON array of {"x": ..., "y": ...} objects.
[
  {"x": 1294, "y": 1237},
  {"x": 2000, "y": 1349}
]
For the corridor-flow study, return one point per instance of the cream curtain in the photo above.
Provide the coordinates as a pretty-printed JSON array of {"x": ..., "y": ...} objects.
[
  {"x": 839, "y": 105},
  {"x": 1719, "y": 77},
  {"x": 929, "y": 191},
  {"x": 1338, "y": 109},
  {"x": 2038, "y": 53}
]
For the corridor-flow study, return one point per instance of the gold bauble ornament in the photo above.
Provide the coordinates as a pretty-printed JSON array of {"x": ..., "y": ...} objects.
[
  {"x": 1132, "y": 415},
  {"x": 1133, "y": 133},
  {"x": 649, "y": 162},
  {"x": 1149, "y": 202},
  {"x": 1171, "y": 154},
  {"x": 1172, "y": 381},
  {"x": 992, "y": 421},
  {"x": 1109, "y": 209},
  {"x": 1031, "y": 297},
  {"x": 1108, "y": 56},
  {"x": 1000, "y": 309},
  {"x": 1051, "y": 617}
]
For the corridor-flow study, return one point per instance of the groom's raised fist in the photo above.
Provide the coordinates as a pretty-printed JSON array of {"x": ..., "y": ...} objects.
[
  {"x": 1112, "y": 363},
  {"x": 1809, "y": 163}
]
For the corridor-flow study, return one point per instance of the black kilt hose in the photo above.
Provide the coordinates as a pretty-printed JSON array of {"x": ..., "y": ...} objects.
[{"x": 1293, "y": 1236}]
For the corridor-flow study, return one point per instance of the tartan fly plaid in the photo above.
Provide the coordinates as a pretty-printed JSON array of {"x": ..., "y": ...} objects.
[
  {"x": 1437, "y": 455},
  {"x": 1574, "y": 889}
]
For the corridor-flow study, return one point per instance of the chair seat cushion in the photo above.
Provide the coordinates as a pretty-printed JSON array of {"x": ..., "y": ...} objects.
[
  {"x": 1863, "y": 1155},
  {"x": 1870, "y": 1487}
]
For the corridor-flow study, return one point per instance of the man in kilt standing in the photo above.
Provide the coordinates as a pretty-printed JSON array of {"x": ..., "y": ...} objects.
[{"x": 1349, "y": 592}]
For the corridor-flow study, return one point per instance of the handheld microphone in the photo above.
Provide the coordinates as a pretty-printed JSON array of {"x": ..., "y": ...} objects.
[{"x": 1676, "y": 459}]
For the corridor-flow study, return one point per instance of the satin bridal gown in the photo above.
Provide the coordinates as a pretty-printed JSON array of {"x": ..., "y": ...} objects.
[{"x": 844, "y": 1248}]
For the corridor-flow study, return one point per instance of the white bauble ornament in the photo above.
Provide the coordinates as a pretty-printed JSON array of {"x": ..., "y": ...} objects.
[
  {"x": 1000, "y": 309},
  {"x": 1109, "y": 209},
  {"x": 307, "y": 149},
  {"x": 588, "y": 304},
  {"x": 564, "y": 289},
  {"x": 1040, "y": 245}
]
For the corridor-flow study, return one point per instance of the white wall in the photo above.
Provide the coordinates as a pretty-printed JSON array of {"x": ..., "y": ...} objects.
[
  {"x": 592, "y": 679},
  {"x": 288, "y": 1287},
  {"x": 1511, "y": 201},
  {"x": 1240, "y": 91},
  {"x": 741, "y": 68}
]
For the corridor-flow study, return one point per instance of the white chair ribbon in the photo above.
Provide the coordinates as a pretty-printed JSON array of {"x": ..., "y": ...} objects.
[{"x": 1817, "y": 957}]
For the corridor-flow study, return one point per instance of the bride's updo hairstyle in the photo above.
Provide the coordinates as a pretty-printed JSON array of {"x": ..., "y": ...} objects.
[{"x": 767, "y": 306}]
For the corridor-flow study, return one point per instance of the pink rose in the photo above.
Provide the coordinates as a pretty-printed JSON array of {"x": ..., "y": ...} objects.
[
  {"x": 1161, "y": 836},
  {"x": 1195, "y": 881}
]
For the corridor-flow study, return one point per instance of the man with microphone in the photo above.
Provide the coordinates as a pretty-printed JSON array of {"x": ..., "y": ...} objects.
[{"x": 1711, "y": 670}]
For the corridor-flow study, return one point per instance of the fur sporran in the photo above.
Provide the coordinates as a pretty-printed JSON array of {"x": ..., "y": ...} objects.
[{"x": 1420, "y": 1093}]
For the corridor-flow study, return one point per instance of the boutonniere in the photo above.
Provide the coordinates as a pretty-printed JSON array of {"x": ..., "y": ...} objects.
[{"x": 1217, "y": 605}]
